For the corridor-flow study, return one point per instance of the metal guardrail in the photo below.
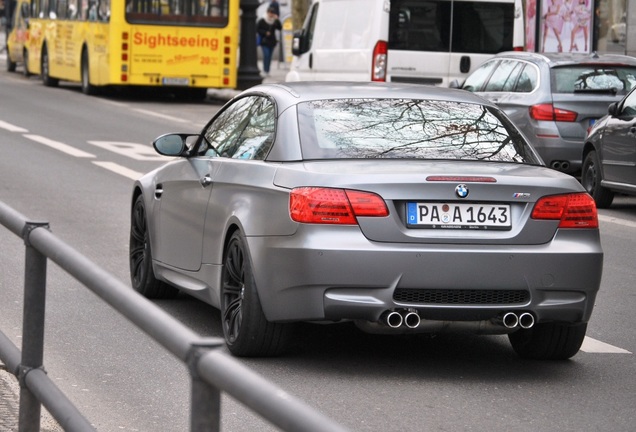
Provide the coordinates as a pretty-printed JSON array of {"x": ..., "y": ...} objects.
[{"x": 211, "y": 371}]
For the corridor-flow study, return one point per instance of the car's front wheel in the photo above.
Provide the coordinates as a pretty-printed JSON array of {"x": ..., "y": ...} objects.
[
  {"x": 141, "y": 274},
  {"x": 591, "y": 179},
  {"x": 247, "y": 332},
  {"x": 548, "y": 341}
]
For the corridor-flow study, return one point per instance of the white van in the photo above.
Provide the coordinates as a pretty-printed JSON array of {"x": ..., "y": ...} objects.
[{"x": 419, "y": 41}]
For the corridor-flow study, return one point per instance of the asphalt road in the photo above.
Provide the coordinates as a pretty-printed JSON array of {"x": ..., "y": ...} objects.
[{"x": 69, "y": 159}]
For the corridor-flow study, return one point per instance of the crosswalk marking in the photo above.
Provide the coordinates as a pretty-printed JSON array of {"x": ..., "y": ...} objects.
[
  {"x": 118, "y": 169},
  {"x": 12, "y": 128},
  {"x": 65, "y": 148},
  {"x": 595, "y": 346}
]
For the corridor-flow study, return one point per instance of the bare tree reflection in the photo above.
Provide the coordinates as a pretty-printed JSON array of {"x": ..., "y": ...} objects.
[{"x": 423, "y": 129}]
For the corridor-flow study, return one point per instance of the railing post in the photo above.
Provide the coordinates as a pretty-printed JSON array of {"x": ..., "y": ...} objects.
[
  {"x": 32, "y": 329},
  {"x": 205, "y": 406}
]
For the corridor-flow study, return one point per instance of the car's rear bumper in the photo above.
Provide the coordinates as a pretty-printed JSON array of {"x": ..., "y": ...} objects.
[
  {"x": 337, "y": 274},
  {"x": 560, "y": 154}
]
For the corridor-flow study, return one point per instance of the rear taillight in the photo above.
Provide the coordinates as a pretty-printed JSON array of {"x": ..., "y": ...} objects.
[
  {"x": 334, "y": 206},
  {"x": 550, "y": 113},
  {"x": 576, "y": 210},
  {"x": 378, "y": 65}
]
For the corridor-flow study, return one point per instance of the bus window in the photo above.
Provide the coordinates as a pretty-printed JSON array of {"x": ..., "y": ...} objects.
[
  {"x": 103, "y": 10},
  {"x": 200, "y": 12}
]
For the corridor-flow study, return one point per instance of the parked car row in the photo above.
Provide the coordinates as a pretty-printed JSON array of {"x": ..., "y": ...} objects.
[{"x": 555, "y": 99}]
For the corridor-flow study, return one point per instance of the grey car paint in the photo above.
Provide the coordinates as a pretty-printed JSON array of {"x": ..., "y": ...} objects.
[{"x": 314, "y": 272}]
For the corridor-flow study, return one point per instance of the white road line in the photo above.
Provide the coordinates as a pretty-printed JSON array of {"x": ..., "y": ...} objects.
[
  {"x": 594, "y": 346},
  {"x": 617, "y": 221},
  {"x": 12, "y": 128},
  {"x": 118, "y": 169},
  {"x": 60, "y": 146},
  {"x": 163, "y": 116}
]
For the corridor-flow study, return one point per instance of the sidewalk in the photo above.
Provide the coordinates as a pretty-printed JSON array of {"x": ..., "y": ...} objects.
[
  {"x": 277, "y": 73},
  {"x": 10, "y": 404}
]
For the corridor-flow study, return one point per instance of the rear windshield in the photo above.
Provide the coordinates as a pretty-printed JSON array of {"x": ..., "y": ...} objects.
[
  {"x": 478, "y": 27},
  {"x": 405, "y": 128},
  {"x": 593, "y": 79}
]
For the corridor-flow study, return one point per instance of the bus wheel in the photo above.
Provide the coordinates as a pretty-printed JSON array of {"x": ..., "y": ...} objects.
[
  {"x": 25, "y": 57},
  {"x": 46, "y": 78},
  {"x": 11, "y": 65},
  {"x": 87, "y": 87},
  {"x": 197, "y": 94}
]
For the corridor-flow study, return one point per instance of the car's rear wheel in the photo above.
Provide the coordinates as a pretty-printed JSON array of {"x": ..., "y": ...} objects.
[
  {"x": 591, "y": 179},
  {"x": 141, "y": 273},
  {"x": 247, "y": 332},
  {"x": 548, "y": 341}
]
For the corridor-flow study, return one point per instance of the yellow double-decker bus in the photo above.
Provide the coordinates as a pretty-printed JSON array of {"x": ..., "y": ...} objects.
[{"x": 186, "y": 45}]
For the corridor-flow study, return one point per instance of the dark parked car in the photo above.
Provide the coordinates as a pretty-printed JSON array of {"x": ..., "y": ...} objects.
[
  {"x": 609, "y": 154},
  {"x": 402, "y": 208},
  {"x": 554, "y": 98}
]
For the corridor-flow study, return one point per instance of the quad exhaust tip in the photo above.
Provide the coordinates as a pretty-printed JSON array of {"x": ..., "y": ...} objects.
[
  {"x": 411, "y": 319},
  {"x": 395, "y": 319},
  {"x": 511, "y": 320}
]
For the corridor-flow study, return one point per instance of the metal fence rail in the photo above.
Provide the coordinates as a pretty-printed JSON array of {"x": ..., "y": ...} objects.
[{"x": 211, "y": 371}]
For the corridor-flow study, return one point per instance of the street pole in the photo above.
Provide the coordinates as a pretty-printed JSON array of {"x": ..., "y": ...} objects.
[{"x": 248, "y": 73}]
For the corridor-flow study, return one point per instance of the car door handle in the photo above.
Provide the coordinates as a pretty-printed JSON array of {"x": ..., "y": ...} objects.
[
  {"x": 206, "y": 180},
  {"x": 158, "y": 191}
]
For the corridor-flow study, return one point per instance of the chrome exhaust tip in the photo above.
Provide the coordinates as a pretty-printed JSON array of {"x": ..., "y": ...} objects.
[
  {"x": 393, "y": 319},
  {"x": 412, "y": 319},
  {"x": 510, "y": 320},
  {"x": 526, "y": 320}
]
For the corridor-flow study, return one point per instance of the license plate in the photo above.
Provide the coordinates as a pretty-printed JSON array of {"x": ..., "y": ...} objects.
[
  {"x": 176, "y": 81},
  {"x": 458, "y": 216}
]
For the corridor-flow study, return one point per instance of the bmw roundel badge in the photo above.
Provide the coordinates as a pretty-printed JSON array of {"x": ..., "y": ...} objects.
[{"x": 461, "y": 190}]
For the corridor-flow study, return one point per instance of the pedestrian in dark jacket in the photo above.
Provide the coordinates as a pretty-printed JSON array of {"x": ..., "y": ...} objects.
[{"x": 266, "y": 28}]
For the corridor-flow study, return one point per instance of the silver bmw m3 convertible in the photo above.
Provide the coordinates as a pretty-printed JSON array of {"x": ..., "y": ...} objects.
[{"x": 404, "y": 209}]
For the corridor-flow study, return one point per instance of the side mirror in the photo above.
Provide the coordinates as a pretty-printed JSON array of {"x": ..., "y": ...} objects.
[
  {"x": 173, "y": 144},
  {"x": 613, "y": 109},
  {"x": 299, "y": 43}
]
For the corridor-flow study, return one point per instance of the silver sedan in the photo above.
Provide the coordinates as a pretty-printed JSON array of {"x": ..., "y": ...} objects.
[{"x": 402, "y": 208}]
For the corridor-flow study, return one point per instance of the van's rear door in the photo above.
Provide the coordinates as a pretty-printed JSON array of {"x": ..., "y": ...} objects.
[{"x": 437, "y": 41}]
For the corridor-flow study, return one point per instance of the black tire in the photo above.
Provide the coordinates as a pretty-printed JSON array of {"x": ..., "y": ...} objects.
[
  {"x": 47, "y": 80},
  {"x": 196, "y": 94},
  {"x": 142, "y": 276},
  {"x": 548, "y": 341},
  {"x": 11, "y": 65},
  {"x": 87, "y": 87},
  {"x": 25, "y": 56},
  {"x": 591, "y": 179},
  {"x": 247, "y": 332}
]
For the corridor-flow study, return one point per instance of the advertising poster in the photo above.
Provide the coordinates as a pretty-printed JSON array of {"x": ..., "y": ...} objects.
[
  {"x": 566, "y": 26},
  {"x": 531, "y": 25}
]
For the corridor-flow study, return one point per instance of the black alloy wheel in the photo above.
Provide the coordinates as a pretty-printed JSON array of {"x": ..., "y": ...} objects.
[
  {"x": 141, "y": 274},
  {"x": 247, "y": 332},
  {"x": 591, "y": 178}
]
